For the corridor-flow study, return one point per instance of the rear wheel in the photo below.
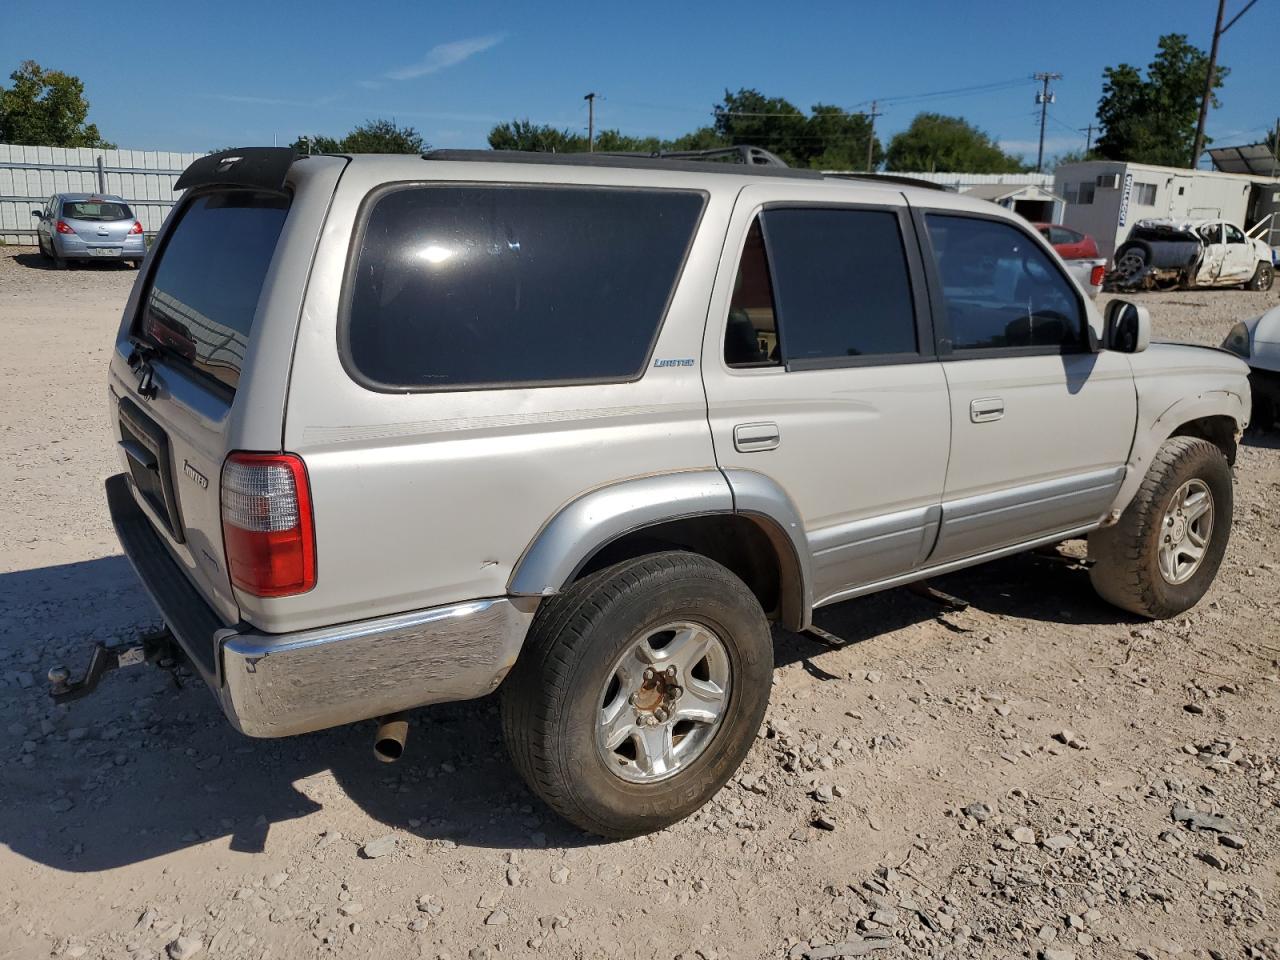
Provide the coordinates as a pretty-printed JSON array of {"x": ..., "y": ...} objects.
[
  {"x": 639, "y": 692},
  {"x": 1131, "y": 262},
  {"x": 1162, "y": 555},
  {"x": 1263, "y": 277}
]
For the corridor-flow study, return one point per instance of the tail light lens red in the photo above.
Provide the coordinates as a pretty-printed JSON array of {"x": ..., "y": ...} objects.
[
  {"x": 136, "y": 228},
  {"x": 1096, "y": 275},
  {"x": 267, "y": 526},
  {"x": 62, "y": 227}
]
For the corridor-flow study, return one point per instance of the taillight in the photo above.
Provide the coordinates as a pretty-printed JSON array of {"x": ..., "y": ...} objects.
[
  {"x": 1096, "y": 275},
  {"x": 136, "y": 228},
  {"x": 267, "y": 525},
  {"x": 63, "y": 228}
]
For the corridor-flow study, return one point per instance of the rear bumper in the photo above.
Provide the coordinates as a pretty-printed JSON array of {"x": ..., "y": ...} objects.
[
  {"x": 71, "y": 247},
  {"x": 275, "y": 685}
]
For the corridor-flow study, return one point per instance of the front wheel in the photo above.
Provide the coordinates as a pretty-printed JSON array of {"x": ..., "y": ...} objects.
[
  {"x": 1162, "y": 555},
  {"x": 639, "y": 692},
  {"x": 1263, "y": 277}
]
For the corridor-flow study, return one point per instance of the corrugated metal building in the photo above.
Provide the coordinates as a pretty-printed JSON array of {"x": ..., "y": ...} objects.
[{"x": 30, "y": 175}]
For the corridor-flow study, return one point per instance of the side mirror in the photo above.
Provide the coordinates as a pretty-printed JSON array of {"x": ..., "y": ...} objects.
[
  {"x": 1128, "y": 327},
  {"x": 38, "y": 213}
]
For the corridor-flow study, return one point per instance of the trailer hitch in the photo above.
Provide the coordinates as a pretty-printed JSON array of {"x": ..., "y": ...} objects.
[{"x": 156, "y": 646}]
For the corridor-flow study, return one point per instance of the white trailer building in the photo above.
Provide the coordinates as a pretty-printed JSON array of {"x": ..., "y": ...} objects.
[{"x": 1105, "y": 198}]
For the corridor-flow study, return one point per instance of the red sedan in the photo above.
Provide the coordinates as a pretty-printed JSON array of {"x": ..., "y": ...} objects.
[{"x": 1070, "y": 244}]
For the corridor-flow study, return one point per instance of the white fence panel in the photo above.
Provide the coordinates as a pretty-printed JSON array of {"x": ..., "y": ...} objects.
[{"x": 30, "y": 175}]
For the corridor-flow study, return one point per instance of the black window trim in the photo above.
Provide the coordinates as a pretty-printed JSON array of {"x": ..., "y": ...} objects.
[
  {"x": 166, "y": 357},
  {"x": 942, "y": 326},
  {"x": 395, "y": 186},
  {"x": 925, "y": 351}
]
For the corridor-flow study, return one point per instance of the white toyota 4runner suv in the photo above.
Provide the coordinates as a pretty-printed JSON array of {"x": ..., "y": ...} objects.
[{"x": 398, "y": 430}]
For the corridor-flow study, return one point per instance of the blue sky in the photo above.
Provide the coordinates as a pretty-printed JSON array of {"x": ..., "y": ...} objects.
[{"x": 179, "y": 76}]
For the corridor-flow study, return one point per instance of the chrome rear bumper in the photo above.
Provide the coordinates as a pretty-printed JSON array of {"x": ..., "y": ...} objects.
[{"x": 275, "y": 685}]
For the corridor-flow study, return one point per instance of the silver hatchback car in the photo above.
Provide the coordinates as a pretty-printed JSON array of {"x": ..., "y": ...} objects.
[{"x": 89, "y": 226}]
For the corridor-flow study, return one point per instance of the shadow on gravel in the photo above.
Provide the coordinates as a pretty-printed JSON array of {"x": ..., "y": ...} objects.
[
  {"x": 141, "y": 768},
  {"x": 37, "y": 261},
  {"x": 1262, "y": 440}
]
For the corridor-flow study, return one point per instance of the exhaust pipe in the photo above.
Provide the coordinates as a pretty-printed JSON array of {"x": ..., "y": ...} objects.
[{"x": 388, "y": 742}]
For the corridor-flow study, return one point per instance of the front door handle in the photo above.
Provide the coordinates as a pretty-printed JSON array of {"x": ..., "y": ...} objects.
[
  {"x": 986, "y": 409},
  {"x": 749, "y": 437}
]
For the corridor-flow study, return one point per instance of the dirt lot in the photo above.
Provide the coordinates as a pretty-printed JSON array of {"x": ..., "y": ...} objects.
[{"x": 909, "y": 795}]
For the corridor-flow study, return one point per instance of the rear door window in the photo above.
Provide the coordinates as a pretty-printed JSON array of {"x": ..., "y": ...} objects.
[
  {"x": 205, "y": 287},
  {"x": 96, "y": 210},
  {"x": 1002, "y": 290},
  {"x": 843, "y": 284},
  {"x": 463, "y": 287}
]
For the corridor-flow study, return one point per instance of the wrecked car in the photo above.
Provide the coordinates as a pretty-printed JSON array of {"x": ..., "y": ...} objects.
[{"x": 1163, "y": 254}]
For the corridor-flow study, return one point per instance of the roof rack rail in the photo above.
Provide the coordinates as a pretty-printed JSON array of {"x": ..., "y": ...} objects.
[
  {"x": 688, "y": 161},
  {"x": 752, "y": 156},
  {"x": 889, "y": 178}
]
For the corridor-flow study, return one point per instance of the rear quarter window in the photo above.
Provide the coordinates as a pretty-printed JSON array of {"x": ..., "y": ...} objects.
[
  {"x": 204, "y": 291},
  {"x": 463, "y": 287}
]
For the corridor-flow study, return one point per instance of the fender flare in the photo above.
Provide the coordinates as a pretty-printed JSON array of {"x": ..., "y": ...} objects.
[
  {"x": 569, "y": 539},
  {"x": 1210, "y": 403}
]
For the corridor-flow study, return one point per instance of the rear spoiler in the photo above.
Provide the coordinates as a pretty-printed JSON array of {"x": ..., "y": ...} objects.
[{"x": 261, "y": 167}]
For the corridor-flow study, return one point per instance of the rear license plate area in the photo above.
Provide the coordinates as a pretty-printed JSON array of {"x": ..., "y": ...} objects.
[
  {"x": 146, "y": 448},
  {"x": 105, "y": 251}
]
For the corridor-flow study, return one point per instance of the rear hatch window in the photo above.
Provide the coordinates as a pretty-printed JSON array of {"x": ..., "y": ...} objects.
[
  {"x": 465, "y": 287},
  {"x": 204, "y": 291},
  {"x": 96, "y": 210}
]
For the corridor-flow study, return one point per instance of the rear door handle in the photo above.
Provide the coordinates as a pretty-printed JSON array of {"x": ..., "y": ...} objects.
[
  {"x": 749, "y": 437},
  {"x": 986, "y": 409}
]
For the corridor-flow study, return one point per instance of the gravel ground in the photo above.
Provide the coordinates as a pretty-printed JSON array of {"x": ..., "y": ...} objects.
[{"x": 1035, "y": 776}]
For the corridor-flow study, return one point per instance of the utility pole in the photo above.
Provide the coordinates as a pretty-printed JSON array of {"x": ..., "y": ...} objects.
[
  {"x": 871, "y": 133},
  {"x": 1218, "y": 31},
  {"x": 591, "y": 122},
  {"x": 1088, "y": 138},
  {"x": 1044, "y": 98},
  {"x": 1275, "y": 151}
]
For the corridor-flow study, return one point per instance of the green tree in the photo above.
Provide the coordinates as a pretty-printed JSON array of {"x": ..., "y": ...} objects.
[
  {"x": 317, "y": 143},
  {"x": 1073, "y": 156},
  {"x": 750, "y": 118},
  {"x": 937, "y": 143},
  {"x": 836, "y": 140},
  {"x": 372, "y": 136},
  {"x": 46, "y": 108},
  {"x": 1153, "y": 119},
  {"x": 538, "y": 138}
]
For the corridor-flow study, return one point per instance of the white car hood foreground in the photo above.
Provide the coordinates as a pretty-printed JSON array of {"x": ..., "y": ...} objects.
[{"x": 1264, "y": 341}]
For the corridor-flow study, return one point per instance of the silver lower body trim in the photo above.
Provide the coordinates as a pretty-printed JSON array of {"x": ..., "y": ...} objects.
[{"x": 939, "y": 569}]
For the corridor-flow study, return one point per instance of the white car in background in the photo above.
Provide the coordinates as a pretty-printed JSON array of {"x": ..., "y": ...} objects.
[{"x": 1257, "y": 342}]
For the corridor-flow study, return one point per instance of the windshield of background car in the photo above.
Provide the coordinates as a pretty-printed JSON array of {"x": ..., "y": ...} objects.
[
  {"x": 96, "y": 210},
  {"x": 206, "y": 284}
]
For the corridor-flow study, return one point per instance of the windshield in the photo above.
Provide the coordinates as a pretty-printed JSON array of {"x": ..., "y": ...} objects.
[
  {"x": 96, "y": 210},
  {"x": 209, "y": 276}
]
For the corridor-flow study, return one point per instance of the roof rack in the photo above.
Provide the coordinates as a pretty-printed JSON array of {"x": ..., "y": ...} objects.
[
  {"x": 752, "y": 156},
  {"x": 757, "y": 162},
  {"x": 890, "y": 178}
]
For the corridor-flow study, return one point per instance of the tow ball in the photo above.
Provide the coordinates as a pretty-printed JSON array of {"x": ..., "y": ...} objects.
[{"x": 156, "y": 647}]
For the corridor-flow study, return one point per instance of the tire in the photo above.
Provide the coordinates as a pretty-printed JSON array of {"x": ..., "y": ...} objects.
[
  {"x": 44, "y": 254},
  {"x": 1128, "y": 570},
  {"x": 568, "y": 675},
  {"x": 1263, "y": 277},
  {"x": 1130, "y": 262}
]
